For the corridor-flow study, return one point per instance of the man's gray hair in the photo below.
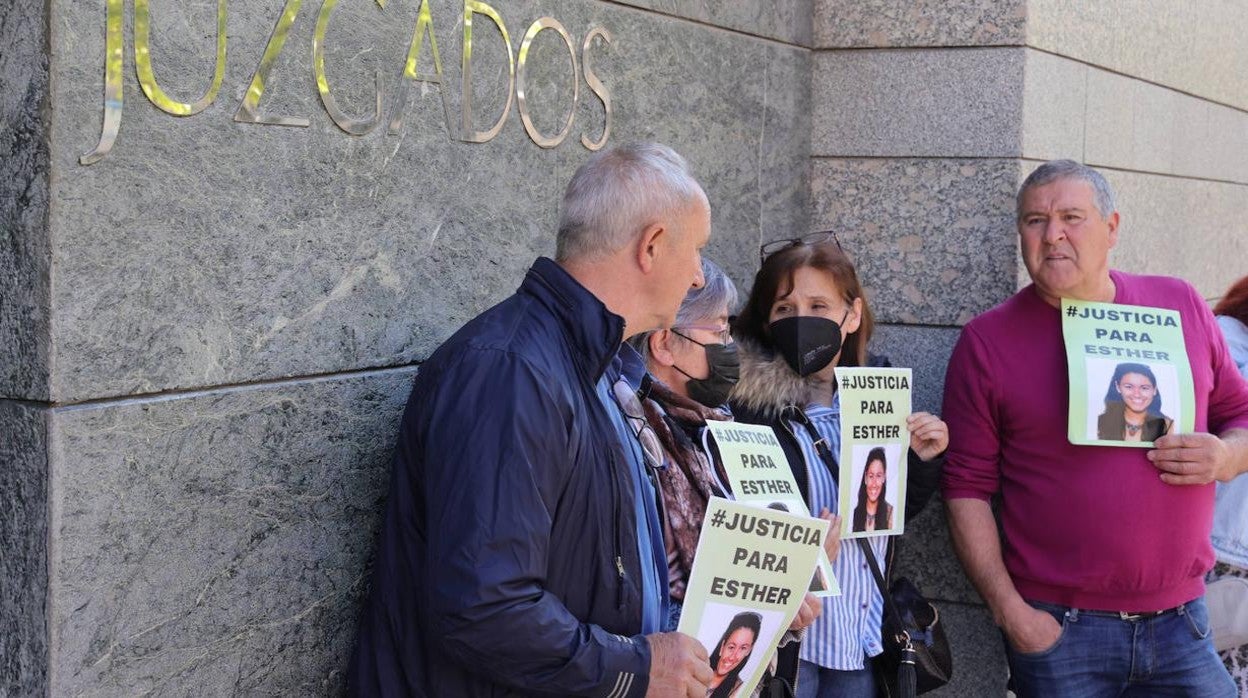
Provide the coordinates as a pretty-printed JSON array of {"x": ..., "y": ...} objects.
[
  {"x": 700, "y": 304},
  {"x": 617, "y": 193},
  {"x": 1055, "y": 170}
]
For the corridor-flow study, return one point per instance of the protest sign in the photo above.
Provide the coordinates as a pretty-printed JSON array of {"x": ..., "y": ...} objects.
[
  {"x": 749, "y": 575},
  {"x": 874, "y": 443},
  {"x": 759, "y": 473},
  {"x": 1130, "y": 379}
]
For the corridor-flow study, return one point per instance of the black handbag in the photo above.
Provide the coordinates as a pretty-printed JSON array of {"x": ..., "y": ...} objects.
[
  {"x": 916, "y": 657},
  {"x": 777, "y": 688}
]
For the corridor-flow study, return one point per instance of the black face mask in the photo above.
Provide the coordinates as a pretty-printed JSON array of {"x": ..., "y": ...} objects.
[
  {"x": 808, "y": 343},
  {"x": 725, "y": 366}
]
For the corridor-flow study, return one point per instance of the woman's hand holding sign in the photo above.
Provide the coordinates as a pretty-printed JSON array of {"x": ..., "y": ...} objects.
[
  {"x": 929, "y": 435},
  {"x": 807, "y": 613},
  {"x": 831, "y": 544}
]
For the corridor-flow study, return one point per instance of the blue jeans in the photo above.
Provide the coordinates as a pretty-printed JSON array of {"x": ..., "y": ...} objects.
[
  {"x": 814, "y": 681},
  {"x": 1105, "y": 655}
]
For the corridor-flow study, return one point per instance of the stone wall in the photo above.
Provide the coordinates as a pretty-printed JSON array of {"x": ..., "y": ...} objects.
[
  {"x": 1156, "y": 97},
  {"x": 212, "y": 330},
  {"x": 927, "y": 116},
  {"x": 207, "y": 337},
  {"x": 24, "y": 247}
]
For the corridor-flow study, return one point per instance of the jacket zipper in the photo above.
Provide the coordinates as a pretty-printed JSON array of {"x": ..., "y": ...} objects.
[{"x": 619, "y": 548}]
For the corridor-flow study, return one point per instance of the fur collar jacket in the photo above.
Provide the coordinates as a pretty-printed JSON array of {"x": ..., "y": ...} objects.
[{"x": 767, "y": 384}]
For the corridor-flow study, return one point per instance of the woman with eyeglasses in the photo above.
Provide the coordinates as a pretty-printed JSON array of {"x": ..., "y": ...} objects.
[
  {"x": 693, "y": 366},
  {"x": 807, "y": 315}
]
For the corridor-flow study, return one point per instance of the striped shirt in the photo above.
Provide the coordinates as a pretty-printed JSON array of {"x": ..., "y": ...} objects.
[{"x": 849, "y": 627}]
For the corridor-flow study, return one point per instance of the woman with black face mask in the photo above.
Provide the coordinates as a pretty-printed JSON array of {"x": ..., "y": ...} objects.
[
  {"x": 693, "y": 366},
  {"x": 806, "y": 316}
]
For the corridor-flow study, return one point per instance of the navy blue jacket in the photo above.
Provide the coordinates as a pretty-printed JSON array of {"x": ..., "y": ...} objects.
[{"x": 508, "y": 561}]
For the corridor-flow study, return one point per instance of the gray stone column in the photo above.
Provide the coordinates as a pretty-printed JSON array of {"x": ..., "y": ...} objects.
[
  {"x": 207, "y": 337},
  {"x": 24, "y": 347},
  {"x": 917, "y": 131}
]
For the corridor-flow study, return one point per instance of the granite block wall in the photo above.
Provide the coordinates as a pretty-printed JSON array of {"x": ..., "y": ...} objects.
[
  {"x": 217, "y": 542},
  {"x": 927, "y": 118},
  {"x": 24, "y": 540},
  {"x": 1196, "y": 48},
  {"x": 932, "y": 238},
  {"x": 206, "y": 338},
  {"x": 841, "y": 24},
  {"x": 1174, "y": 157},
  {"x": 918, "y": 102},
  {"x": 787, "y": 21},
  {"x": 238, "y": 309},
  {"x": 917, "y": 137},
  {"x": 25, "y": 356},
  {"x": 300, "y": 251}
]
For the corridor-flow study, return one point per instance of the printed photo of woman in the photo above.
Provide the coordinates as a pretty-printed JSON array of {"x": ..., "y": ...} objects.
[
  {"x": 1132, "y": 406},
  {"x": 873, "y": 513},
  {"x": 732, "y": 654}
]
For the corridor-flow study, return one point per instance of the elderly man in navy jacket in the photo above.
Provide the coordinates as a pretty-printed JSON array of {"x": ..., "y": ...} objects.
[{"x": 521, "y": 552}]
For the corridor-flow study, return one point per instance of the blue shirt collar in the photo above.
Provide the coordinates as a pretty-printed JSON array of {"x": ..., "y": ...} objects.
[{"x": 629, "y": 365}]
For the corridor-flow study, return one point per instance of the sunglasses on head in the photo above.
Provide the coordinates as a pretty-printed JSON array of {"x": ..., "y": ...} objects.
[{"x": 770, "y": 248}]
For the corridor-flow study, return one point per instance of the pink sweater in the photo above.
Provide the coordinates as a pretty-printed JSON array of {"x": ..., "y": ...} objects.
[{"x": 1092, "y": 527}]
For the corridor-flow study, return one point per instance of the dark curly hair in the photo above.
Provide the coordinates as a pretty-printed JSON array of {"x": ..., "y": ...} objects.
[{"x": 750, "y": 621}]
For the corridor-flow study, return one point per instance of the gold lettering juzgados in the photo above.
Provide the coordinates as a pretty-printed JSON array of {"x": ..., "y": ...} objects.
[
  {"x": 522, "y": 103},
  {"x": 596, "y": 86},
  {"x": 147, "y": 78},
  {"x": 477, "y": 7},
  {"x": 411, "y": 71},
  {"x": 251, "y": 101},
  {"x": 355, "y": 127},
  {"x": 248, "y": 110},
  {"x": 114, "y": 62}
]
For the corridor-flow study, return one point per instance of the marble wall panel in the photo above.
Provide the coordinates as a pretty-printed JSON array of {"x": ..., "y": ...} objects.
[
  {"x": 788, "y": 21},
  {"x": 24, "y": 542},
  {"x": 217, "y": 543},
  {"x": 1055, "y": 107},
  {"x": 933, "y": 239},
  {"x": 918, "y": 103},
  {"x": 909, "y": 23},
  {"x": 1195, "y": 48},
  {"x": 203, "y": 251},
  {"x": 1181, "y": 227},
  {"x": 924, "y": 349},
  {"x": 1136, "y": 125},
  {"x": 24, "y": 201}
]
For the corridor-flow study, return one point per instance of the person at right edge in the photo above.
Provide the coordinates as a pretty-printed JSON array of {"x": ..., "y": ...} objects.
[
  {"x": 806, "y": 316},
  {"x": 1230, "y": 512},
  {"x": 1098, "y": 586}
]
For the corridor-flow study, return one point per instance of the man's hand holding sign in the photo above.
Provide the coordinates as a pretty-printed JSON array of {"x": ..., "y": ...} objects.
[{"x": 1200, "y": 458}]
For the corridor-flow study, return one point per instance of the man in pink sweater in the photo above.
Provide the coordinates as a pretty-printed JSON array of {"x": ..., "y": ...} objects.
[{"x": 1097, "y": 582}]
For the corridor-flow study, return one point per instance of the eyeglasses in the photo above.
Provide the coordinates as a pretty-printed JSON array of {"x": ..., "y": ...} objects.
[
  {"x": 770, "y": 248},
  {"x": 724, "y": 334},
  {"x": 630, "y": 405}
]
